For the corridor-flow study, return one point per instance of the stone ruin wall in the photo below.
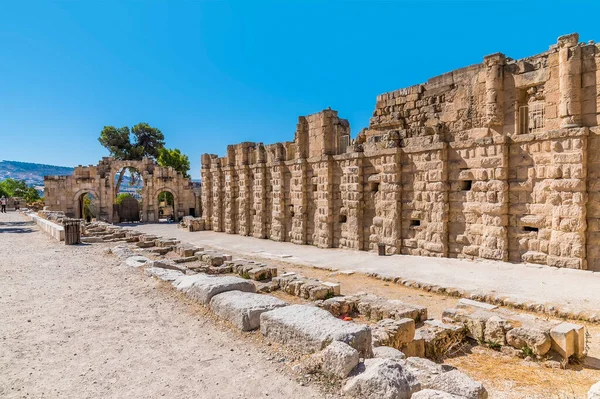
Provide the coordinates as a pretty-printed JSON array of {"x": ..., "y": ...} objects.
[
  {"x": 499, "y": 160},
  {"x": 63, "y": 193}
]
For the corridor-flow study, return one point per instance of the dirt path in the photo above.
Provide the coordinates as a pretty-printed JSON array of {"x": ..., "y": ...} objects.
[{"x": 74, "y": 323}]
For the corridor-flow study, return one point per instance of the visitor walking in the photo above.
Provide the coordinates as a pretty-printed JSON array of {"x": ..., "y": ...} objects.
[{"x": 3, "y": 203}]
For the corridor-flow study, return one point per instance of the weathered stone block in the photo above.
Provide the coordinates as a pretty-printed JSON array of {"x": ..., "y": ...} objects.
[
  {"x": 339, "y": 359},
  {"x": 243, "y": 309},
  {"x": 382, "y": 379},
  {"x": 568, "y": 339},
  {"x": 522, "y": 337},
  {"x": 309, "y": 329},
  {"x": 206, "y": 286}
]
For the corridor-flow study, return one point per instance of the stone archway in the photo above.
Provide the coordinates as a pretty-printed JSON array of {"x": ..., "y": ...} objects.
[
  {"x": 78, "y": 200},
  {"x": 157, "y": 193},
  {"x": 62, "y": 193}
]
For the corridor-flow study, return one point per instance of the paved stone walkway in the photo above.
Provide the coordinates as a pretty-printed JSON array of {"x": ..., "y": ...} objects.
[{"x": 570, "y": 291}]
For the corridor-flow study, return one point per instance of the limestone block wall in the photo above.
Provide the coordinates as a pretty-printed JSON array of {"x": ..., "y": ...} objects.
[{"x": 497, "y": 161}]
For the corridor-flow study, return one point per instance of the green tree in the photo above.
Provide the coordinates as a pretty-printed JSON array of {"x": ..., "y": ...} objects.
[
  {"x": 18, "y": 188},
  {"x": 167, "y": 197},
  {"x": 122, "y": 143},
  {"x": 174, "y": 158}
]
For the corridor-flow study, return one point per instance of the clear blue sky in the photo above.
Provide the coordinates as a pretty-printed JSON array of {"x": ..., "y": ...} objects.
[{"x": 212, "y": 73}]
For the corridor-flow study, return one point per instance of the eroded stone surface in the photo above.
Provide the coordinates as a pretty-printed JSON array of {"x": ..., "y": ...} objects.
[
  {"x": 382, "y": 379},
  {"x": 339, "y": 359},
  {"x": 310, "y": 329},
  {"x": 243, "y": 309}
]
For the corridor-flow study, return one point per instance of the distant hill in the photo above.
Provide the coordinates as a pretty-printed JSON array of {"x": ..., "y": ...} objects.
[{"x": 32, "y": 173}]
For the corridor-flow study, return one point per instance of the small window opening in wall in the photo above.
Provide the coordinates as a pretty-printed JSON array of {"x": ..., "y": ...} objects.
[
  {"x": 315, "y": 187},
  {"x": 374, "y": 186},
  {"x": 343, "y": 218},
  {"x": 529, "y": 228},
  {"x": 415, "y": 222},
  {"x": 291, "y": 208},
  {"x": 466, "y": 185}
]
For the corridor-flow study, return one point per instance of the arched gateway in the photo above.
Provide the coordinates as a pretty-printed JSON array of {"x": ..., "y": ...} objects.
[{"x": 62, "y": 193}]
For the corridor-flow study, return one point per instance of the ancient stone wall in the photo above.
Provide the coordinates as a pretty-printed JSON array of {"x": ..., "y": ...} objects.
[
  {"x": 64, "y": 193},
  {"x": 498, "y": 160}
]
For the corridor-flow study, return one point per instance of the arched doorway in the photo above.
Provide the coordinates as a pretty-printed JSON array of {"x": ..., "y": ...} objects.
[
  {"x": 166, "y": 206},
  {"x": 128, "y": 189},
  {"x": 86, "y": 205}
]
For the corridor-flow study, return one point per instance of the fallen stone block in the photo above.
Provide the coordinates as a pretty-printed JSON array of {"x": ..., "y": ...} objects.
[
  {"x": 204, "y": 288},
  {"x": 425, "y": 370},
  {"x": 310, "y": 329},
  {"x": 136, "y": 261},
  {"x": 160, "y": 250},
  {"x": 243, "y": 309},
  {"x": 416, "y": 348},
  {"x": 536, "y": 340},
  {"x": 594, "y": 392},
  {"x": 339, "y": 306},
  {"x": 394, "y": 333},
  {"x": 469, "y": 303},
  {"x": 434, "y": 394},
  {"x": 376, "y": 308},
  {"x": 568, "y": 339},
  {"x": 458, "y": 383},
  {"x": 185, "y": 259},
  {"x": 474, "y": 322},
  {"x": 495, "y": 330},
  {"x": 439, "y": 337},
  {"x": 165, "y": 243},
  {"x": 334, "y": 288},
  {"x": 185, "y": 282},
  {"x": 339, "y": 359},
  {"x": 91, "y": 240},
  {"x": 382, "y": 379},
  {"x": 121, "y": 251},
  {"x": 145, "y": 244},
  {"x": 387, "y": 352},
  {"x": 163, "y": 274},
  {"x": 262, "y": 273},
  {"x": 166, "y": 264}
]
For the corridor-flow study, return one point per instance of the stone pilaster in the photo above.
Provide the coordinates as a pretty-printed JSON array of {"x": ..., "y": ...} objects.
[
  {"x": 569, "y": 73},
  {"x": 494, "y": 93},
  {"x": 207, "y": 197}
]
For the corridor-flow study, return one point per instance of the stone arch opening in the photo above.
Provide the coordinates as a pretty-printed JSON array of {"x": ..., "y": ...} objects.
[
  {"x": 86, "y": 205},
  {"x": 166, "y": 205},
  {"x": 128, "y": 190}
]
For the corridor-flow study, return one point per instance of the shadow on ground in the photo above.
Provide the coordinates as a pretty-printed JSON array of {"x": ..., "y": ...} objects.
[{"x": 16, "y": 227}]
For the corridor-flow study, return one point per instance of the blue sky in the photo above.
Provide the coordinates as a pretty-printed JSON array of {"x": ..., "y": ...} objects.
[{"x": 212, "y": 73}]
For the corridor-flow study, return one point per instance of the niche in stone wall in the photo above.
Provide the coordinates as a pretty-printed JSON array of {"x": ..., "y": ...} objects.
[
  {"x": 466, "y": 185},
  {"x": 374, "y": 186},
  {"x": 415, "y": 223},
  {"x": 530, "y": 109}
]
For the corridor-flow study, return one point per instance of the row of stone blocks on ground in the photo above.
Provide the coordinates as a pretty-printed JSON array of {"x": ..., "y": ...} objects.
[
  {"x": 336, "y": 346},
  {"x": 501, "y": 327}
]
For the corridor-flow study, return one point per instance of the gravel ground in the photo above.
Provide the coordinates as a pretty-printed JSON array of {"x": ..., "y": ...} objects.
[{"x": 75, "y": 323}]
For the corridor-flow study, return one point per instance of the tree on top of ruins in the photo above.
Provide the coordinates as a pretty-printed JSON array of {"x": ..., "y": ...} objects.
[
  {"x": 174, "y": 158},
  {"x": 124, "y": 144},
  {"x": 141, "y": 141}
]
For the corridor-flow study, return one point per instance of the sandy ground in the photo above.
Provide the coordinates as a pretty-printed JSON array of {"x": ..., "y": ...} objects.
[{"x": 75, "y": 323}]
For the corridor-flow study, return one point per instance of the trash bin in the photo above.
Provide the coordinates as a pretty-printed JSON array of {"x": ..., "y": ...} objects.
[
  {"x": 72, "y": 231},
  {"x": 381, "y": 248}
]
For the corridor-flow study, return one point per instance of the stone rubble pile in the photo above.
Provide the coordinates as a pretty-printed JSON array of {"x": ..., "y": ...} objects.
[
  {"x": 494, "y": 326},
  {"x": 191, "y": 223}
]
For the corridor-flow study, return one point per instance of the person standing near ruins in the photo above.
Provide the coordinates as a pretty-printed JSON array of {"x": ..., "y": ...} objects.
[{"x": 3, "y": 203}]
